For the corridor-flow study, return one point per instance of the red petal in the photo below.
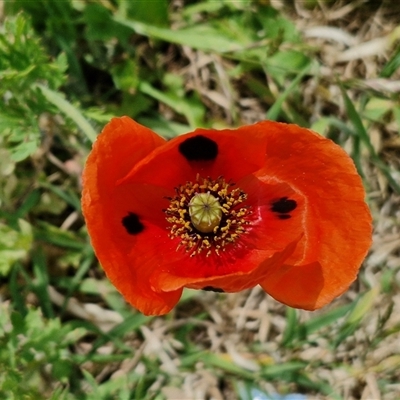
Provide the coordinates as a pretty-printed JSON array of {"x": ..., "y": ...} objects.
[
  {"x": 336, "y": 219},
  {"x": 272, "y": 231},
  {"x": 125, "y": 258},
  {"x": 242, "y": 278}
]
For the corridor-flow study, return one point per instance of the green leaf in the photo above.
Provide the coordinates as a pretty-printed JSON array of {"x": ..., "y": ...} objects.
[
  {"x": 54, "y": 235},
  {"x": 377, "y": 108},
  {"x": 286, "y": 61},
  {"x": 14, "y": 244},
  {"x": 125, "y": 75},
  {"x": 100, "y": 26},
  {"x": 23, "y": 64},
  {"x": 139, "y": 11},
  {"x": 201, "y": 37},
  {"x": 321, "y": 126},
  {"x": 191, "y": 108},
  {"x": 24, "y": 149}
]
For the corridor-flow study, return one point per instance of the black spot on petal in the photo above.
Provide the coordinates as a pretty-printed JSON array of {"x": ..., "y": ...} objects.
[
  {"x": 199, "y": 148},
  {"x": 284, "y": 216},
  {"x": 212, "y": 289},
  {"x": 132, "y": 224},
  {"x": 283, "y": 205}
]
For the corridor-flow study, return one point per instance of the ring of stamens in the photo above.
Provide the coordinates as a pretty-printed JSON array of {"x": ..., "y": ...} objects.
[{"x": 207, "y": 215}]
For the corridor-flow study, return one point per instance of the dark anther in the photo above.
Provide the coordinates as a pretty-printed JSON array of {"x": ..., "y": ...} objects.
[
  {"x": 199, "y": 148},
  {"x": 283, "y": 205},
  {"x": 132, "y": 224},
  {"x": 212, "y": 289}
]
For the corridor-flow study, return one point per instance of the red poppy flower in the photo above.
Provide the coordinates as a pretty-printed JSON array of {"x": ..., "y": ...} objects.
[{"x": 270, "y": 204}]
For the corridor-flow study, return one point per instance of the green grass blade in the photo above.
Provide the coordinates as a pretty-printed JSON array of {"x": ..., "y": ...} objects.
[
  {"x": 201, "y": 37},
  {"x": 282, "y": 371},
  {"x": 15, "y": 290},
  {"x": 70, "y": 111},
  {"x": 192, "y": 112},
  {"x": 391, "y": 66},
  {"x": 359, "y": 309},
  {"x": 291, "y": 327},
  {"x": 41, "y": 282},
  {"x": 274, "y": 111},
  {"x": 68, "y": 196},
  {"x": 325, "y": 319},
  {"x": 361, "y": 132}
]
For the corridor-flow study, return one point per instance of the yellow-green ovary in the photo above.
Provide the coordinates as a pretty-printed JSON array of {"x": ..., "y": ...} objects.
[{"x": 205, "y": 212}]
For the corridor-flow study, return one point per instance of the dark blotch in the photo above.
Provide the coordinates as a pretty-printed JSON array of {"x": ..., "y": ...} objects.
[
  {"x": 284, "y": 216},
  {"x": 212, "y": 289},
  {"x": 132, "y": 224},
  {"x": 283, "y": 205},
  {"x": 199, "y": 148}
]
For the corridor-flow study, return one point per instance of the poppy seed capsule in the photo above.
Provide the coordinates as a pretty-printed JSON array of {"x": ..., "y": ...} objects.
[{"x": 205, "y": 212}]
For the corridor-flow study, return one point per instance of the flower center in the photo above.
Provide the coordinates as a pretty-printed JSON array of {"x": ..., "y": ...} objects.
[{"x": 207, "y": 215}]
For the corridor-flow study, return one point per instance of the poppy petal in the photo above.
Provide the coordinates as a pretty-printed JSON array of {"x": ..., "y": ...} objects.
[
  {"x": 239, "y": 280},
  {"x": 337, "y": 222},
  {"x": 114, "y": 234},
  {"x": 278, "y": 211}
]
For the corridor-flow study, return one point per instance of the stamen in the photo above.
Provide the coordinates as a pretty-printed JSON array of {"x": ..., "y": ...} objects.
[{"x": 207, "y": 215}]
